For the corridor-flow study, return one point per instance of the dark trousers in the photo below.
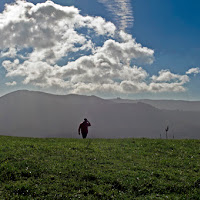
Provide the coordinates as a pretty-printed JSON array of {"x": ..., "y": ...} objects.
[{"x": 84, "y": 135}]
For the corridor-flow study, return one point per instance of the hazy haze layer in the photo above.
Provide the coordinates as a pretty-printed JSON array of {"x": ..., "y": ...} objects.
[{"x": 36, "y": 114}]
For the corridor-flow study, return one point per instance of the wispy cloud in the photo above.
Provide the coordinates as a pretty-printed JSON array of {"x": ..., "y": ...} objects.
[
  {"x": 11, "y": 83},
  {"x": 121, "y": 11}
]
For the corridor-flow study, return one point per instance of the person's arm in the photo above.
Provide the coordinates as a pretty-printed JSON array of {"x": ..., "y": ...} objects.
[
  {"x": 88, "y": 123},
  {"x": 79, "y": 129}
]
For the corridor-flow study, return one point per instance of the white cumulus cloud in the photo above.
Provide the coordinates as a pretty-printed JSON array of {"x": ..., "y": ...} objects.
[
  {"x": 193, "y": 71},
  {"x": 54, "y": 46},
  {"x": 10, "y": 52},
  {"x": 167, "y": 76}
]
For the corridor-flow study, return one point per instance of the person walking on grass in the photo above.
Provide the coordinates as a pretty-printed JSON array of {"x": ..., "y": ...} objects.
[{"x": 84, "y": 128}]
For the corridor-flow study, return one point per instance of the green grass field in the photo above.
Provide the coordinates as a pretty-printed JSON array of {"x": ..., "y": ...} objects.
[{"x": 99, "y": 168}]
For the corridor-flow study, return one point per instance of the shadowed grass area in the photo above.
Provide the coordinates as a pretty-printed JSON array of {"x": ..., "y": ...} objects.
[{"x": 99, "y": 168}]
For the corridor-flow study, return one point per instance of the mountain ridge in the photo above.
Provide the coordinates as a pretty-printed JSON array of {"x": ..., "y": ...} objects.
[{"x": 38, "y": 114}]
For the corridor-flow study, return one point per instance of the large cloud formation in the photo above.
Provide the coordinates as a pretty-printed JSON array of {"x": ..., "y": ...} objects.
[{"x": 53, "y": 46}]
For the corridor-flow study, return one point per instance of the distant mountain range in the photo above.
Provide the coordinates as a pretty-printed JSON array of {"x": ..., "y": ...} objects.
[
  {"x": 37, "y": 114},
  {"x": 165, "y": 104}
]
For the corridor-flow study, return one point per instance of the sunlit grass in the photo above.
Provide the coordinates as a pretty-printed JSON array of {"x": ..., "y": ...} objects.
[{"x": 99, "y": 168}]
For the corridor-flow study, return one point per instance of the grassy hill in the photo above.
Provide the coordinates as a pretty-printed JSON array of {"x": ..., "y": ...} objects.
[{"x": 99, "y": 169}]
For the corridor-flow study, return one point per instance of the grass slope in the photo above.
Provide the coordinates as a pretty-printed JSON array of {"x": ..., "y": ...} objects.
[{"x": 99, "y": 169}]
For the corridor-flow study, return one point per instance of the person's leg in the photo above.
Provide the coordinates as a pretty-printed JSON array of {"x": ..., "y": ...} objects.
[{"x": 84, "y": 135}]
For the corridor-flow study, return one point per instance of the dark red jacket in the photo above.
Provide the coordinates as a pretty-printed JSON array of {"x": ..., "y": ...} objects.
[{"x": 84, "y": 127}]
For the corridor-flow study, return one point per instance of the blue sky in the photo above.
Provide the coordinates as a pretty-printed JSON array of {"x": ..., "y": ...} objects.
[{"x": 165, "y": 66}]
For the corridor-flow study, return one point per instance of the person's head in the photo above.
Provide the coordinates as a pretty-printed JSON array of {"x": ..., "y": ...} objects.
[{"x": 85, "y": 120}]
